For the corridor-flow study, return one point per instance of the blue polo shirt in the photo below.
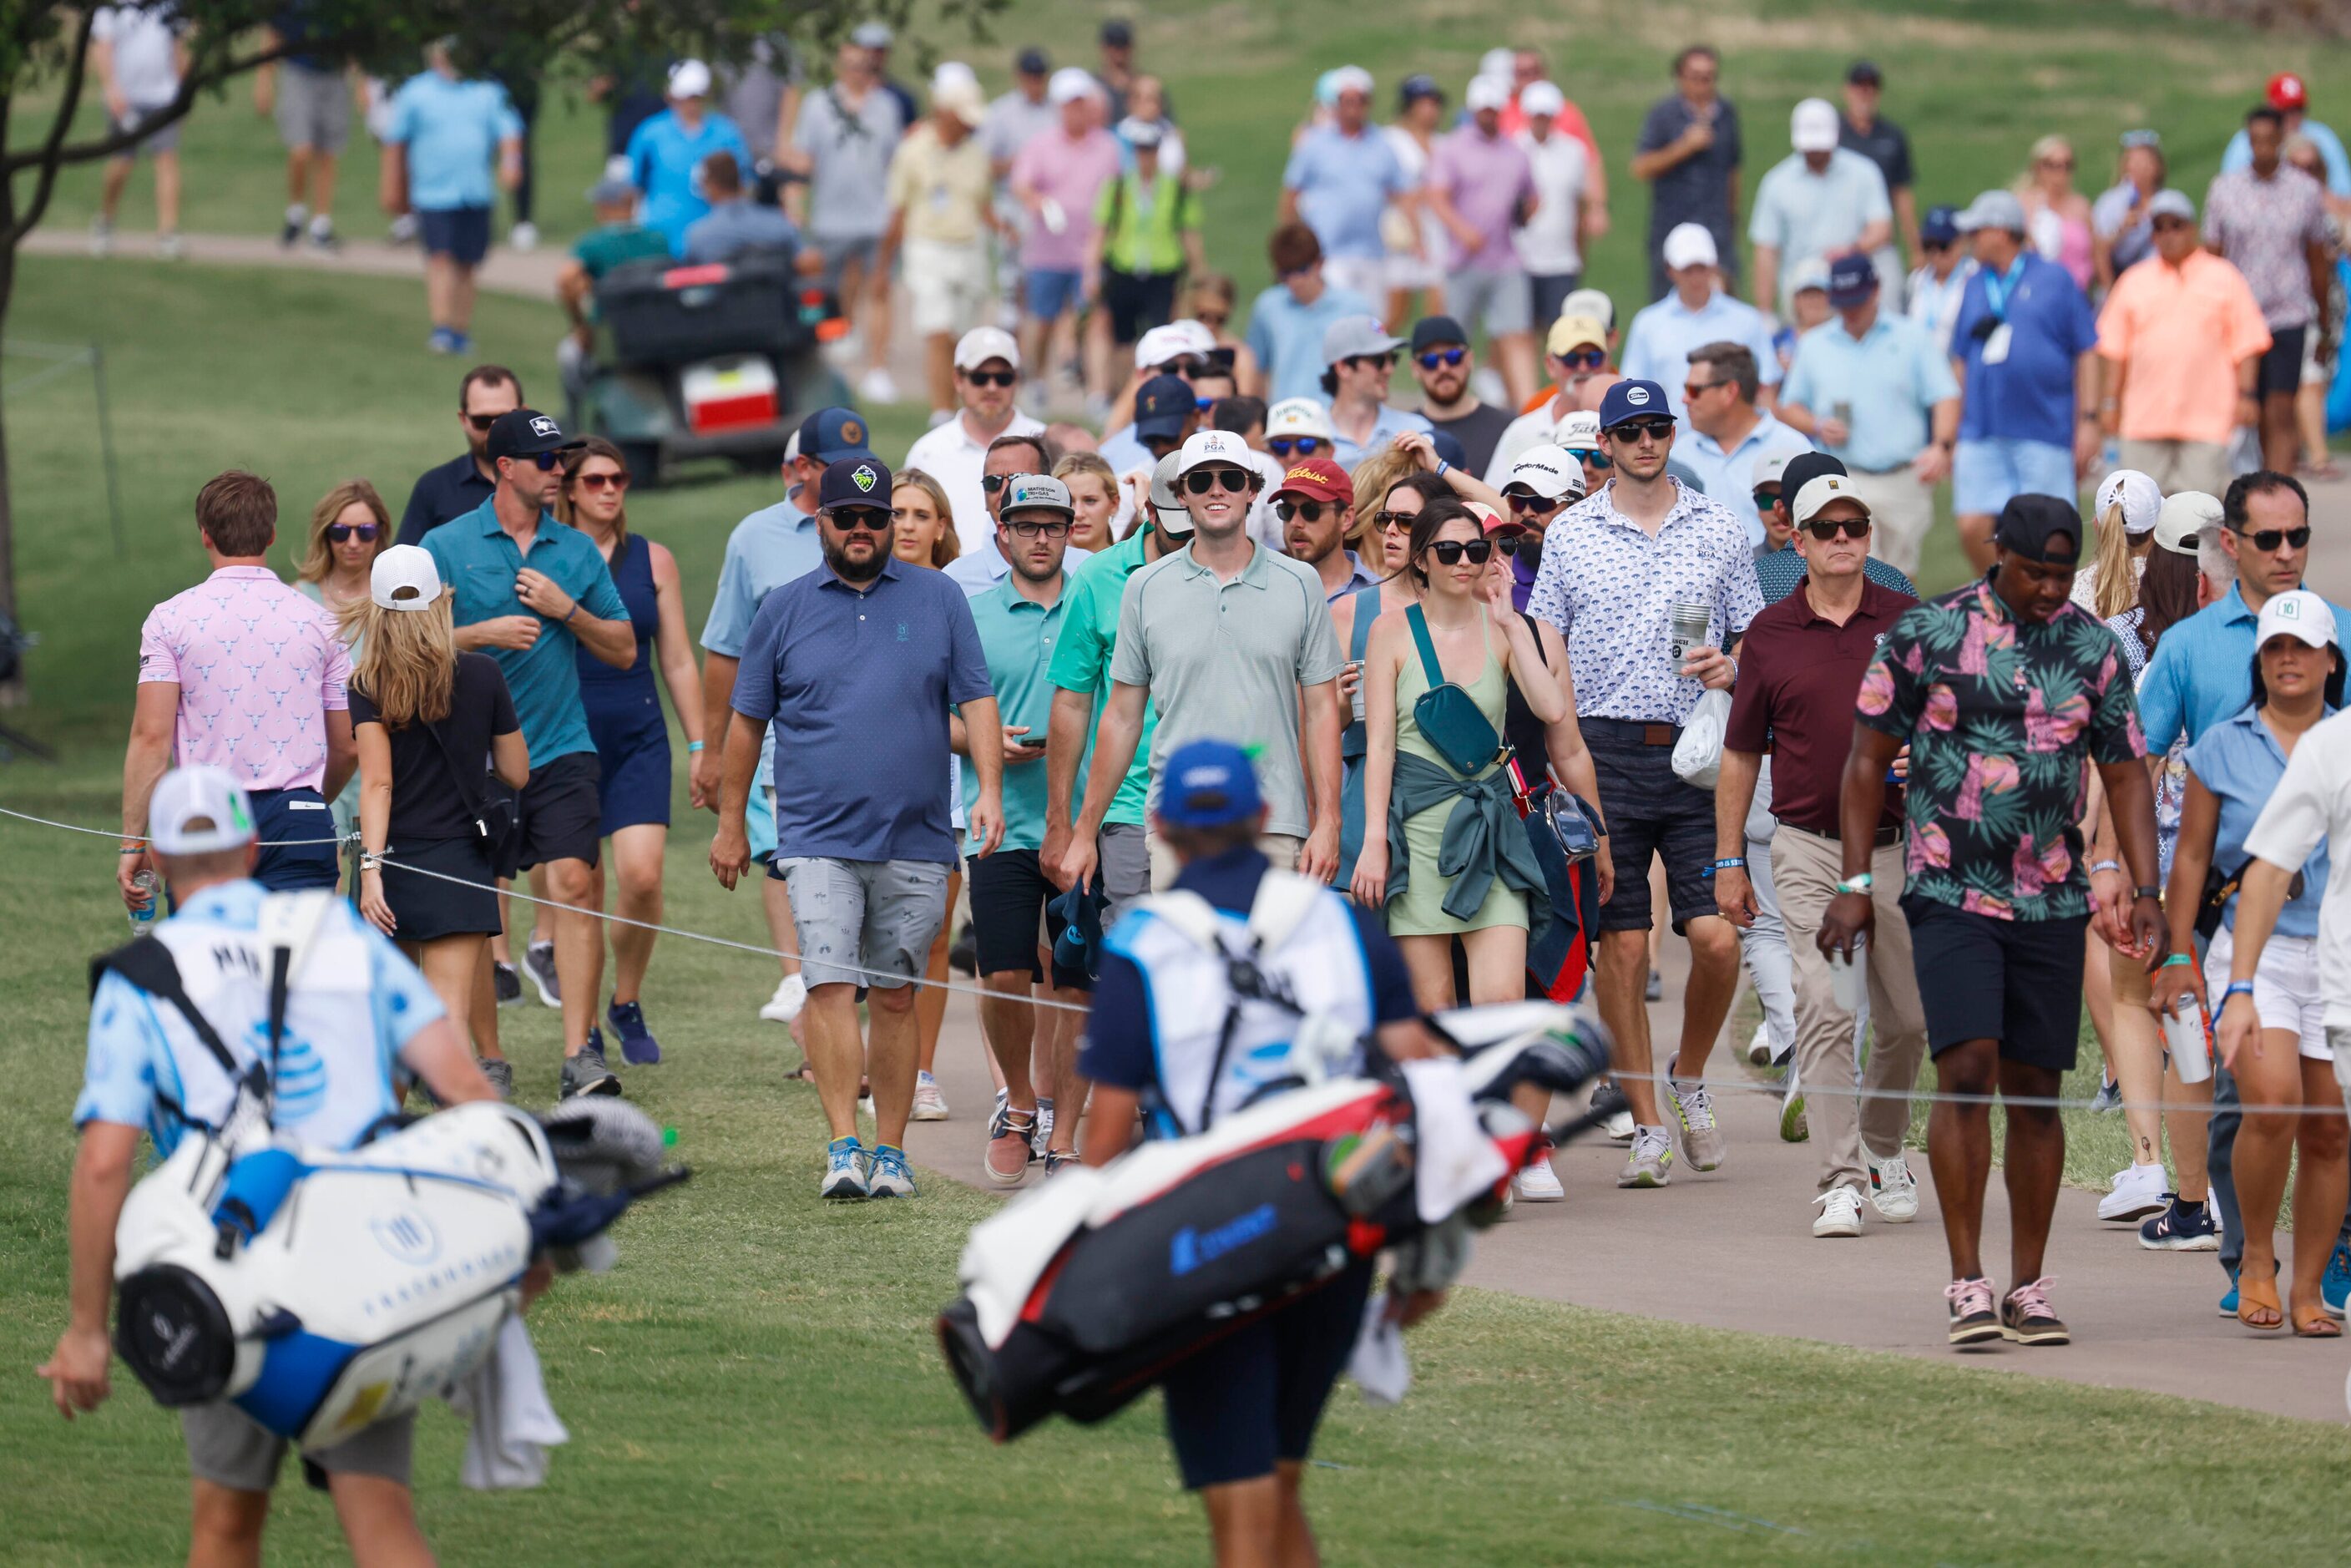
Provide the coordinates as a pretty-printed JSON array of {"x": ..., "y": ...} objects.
[
  {"x": 2203, "y": 672},
  {"x": 1344, "y": 183},
  {"x": 1287, "y": 337},
  {"x": 855, "y": 684},
  {"x": 2029, "y": 396},
  {"x": 1727, "y": 476},
  {"x": 451, "y": 131},
  {"x": 1019, "y": 635},
  {"x": 769, "y": 549},
  {"x": 664, "y": 162},
  {"x": 1657, "y": 344},
  {"x": 2241, "y": 762},
  {"x": 477, "y": 558},
  {"x": 1891, "y": 376},
  {"x": 1390, "y": 423}
]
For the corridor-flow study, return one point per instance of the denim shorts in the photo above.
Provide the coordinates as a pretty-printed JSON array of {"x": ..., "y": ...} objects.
[
  {"x": 1049, "y": 292},
  {"x": 1987, "y": 474}
]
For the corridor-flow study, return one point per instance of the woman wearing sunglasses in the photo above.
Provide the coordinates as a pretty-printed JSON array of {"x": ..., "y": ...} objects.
[
  {"x": 348, "y": 528},
  {"x": 923, "y": 535},
  {"x": 624, "y": 719},
  {"x": 2056, "y": 215}
]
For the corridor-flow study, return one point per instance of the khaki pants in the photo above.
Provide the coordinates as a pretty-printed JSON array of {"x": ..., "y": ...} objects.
[
  {"x": 1280, "y": 847},
  {"x": 1901, "y": 510},
  {"x": 1847, "y": 1130},
  {"x": 2177, "y": 465}
]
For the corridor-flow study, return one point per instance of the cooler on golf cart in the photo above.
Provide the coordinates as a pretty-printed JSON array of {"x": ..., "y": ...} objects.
[{"x": 714, "y": 360}]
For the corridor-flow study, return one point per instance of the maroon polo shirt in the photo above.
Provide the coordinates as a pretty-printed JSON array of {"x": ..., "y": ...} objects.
[{"x": 1798, "y": 675}]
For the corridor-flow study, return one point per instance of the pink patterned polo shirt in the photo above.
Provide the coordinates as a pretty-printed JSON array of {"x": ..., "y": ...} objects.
[{"x": 258, "y": 667}]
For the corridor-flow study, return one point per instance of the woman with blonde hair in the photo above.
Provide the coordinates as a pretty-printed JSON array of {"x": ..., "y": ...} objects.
[
  {"x": 1093, "y": 492},
  {"x": 2056, "y": 215},
  {"x": 2125, "y": 511},
  {"x": 923, "y": 535},
  {"x": 350, "y": 528},
  {"x": 625, "y": 720},
  {"x": 427, "y": 718},
  {"x": 923, "y": 523}
]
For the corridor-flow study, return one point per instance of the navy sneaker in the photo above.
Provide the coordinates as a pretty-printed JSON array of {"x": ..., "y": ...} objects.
[
  {"x": 638, "y": 1046},
  {"x": 2180, "y": 1228},
  {"x": 2335, "y": 1288}
]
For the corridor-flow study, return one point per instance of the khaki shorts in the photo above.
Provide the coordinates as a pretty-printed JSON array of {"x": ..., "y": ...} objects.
[
  {"x": 230, "y": 1449},
  {"x": 948, "y": 285}
]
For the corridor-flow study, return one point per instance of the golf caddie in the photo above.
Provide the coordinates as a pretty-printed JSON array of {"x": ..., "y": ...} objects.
[
  {"x": 354, "y": 1014},
  {"x": 1202, "y": 989}
]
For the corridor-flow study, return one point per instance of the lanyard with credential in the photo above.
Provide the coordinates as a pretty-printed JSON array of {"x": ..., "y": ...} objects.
[{"x": 1996, "y": 289}]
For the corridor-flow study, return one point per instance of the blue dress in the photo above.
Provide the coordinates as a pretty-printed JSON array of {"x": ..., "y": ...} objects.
[{"x": 624, "y": 711}]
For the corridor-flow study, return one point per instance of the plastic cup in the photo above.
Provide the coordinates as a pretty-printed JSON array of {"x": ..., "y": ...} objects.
[
  {"x": 2189, "y": 1038},
  {"x": 1846, "y": 976},
  {"x": 1686, "y": 631}
]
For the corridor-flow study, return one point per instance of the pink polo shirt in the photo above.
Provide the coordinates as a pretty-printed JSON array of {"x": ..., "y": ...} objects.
[{"x": 258, "y": 667}]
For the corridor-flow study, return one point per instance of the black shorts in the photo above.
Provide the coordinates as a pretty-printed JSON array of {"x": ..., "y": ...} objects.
[
  {"x": 2280, "y": 368},
  {"x": 2015, "y": 981},
  {"x": 1137, "y": 301},
  {"x": 461, "y": 233},
  {"x": 1010, "y": 895},
  {"x": 1649, "y": 811},
  {"x": 1253, "y": 1398},
  {"x": 562, "y": 812}
]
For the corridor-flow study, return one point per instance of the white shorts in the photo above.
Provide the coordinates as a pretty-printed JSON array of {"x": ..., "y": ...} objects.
[
  {"x": 2286, "y": 987},
  {"x": 948, "y": 284}
]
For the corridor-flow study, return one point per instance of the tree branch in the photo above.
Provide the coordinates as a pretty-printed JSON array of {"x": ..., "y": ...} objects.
[
  {"x": 52, "y": 156},
  {"x": 47, "y": 157}
]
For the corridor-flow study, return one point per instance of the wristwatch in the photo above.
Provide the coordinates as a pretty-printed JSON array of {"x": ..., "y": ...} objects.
[{"x": 2154, "y": 893}]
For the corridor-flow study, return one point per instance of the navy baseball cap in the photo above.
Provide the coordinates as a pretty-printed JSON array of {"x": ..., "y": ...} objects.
[
  {"x": 1162, "y": 404},
  {"x": 1852, "y": 279},
  {"x": 830, "y": 434},
  {"x": 863, "y": 481},
  {"x": 1939, "y": 226},
  {"x": 526, "y": 432},
  {"x": 1208, "y": 784},
  {"x": 1431, "y": 330},
  {"x": 1417, "y": 86},
  {"x": 1632, "y": 400},
  {"x": 1802, "y": 469},
  {"x": 2045, "y": 529},
  {"x": 1033, "y": 63}
]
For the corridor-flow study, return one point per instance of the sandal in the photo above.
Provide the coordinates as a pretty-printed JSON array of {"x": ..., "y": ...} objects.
[
  {"x": 803, "y": 1073},
  {"x": 2257, "y": 1306},
  {"x": 2325, "y": 468},
  {"x": 2311, "y": 1321}
]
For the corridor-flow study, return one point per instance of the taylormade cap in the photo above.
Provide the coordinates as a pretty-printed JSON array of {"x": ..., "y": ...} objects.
[
  {"x": 1039, "y": 492},
  {"x": 2184, "y": 518},
  {"x": 1547, "y": 473},
  {"x": 2044, "y": 528},
  {"x": 1295, "y": 416},
  {"x": 405, "y": 577},
  {"x": 981, "y": 344},
  {"x": 1208, "y": 784},
  {"x": 2298, "y": 613},
  {"x": 197, "y": 810},
  {"x": 1317, "y": 479},
  {"x": 1819, "y": 491},
  {"x": 855, "y": 482},
  {"x": 2140, "y": 495}
]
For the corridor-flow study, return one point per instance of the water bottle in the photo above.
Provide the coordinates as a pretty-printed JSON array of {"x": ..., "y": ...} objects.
[
  {"x": 143, "y": 918},
  {"x": 1847, "y": 977},
  {"x": 2189, "y": 1038}
]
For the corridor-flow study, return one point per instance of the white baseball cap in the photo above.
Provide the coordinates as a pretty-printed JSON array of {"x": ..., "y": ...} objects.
[
  {"x": 1294, "y": 416},
  {"x": 2179, "y": 525},
  {"x": 1819, "y": 491},
  {"x": 197, "y": 810},
  {"x": 1204, "y": 447},
  {"x": 1812, "y": 272},
  {"x": 960, "y": 96},
  {"x": 689, "y": 79},
  {"x": 1690, "y": 244},
  {"x": 2297, "y": 613},
  {"x": 981, "y": 344},
  {"x": 1540, "y": 98},
  {"x": 1173, "y": 341},
  {"x": 1547, "y": 471},
  {"x": 1772, "y": 466},
  {"x": 1349, "y": 78},
  {"x": 1037, "y": 490},
  {"x": 1580, "y": 429},
  {"x": 2140, "y": 495},
  {"x": 405, "y": 577},
  {"x": 1591, "y": 302},
  {"x": 1167, "y": 506},
  {"x": 1069, "y": 83},
  {"x": 1813, "y": 127},
  {"x": 1486, "y": 92}
]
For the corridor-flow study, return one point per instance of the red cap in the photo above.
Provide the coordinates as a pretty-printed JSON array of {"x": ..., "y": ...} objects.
[
  {"x": 1494, "y": 522},
  {"x": 2287, "y": 92},
  {"x": 1317, "y": 479}
]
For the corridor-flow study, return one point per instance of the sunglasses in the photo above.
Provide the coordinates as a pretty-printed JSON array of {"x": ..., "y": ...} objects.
[
  {"x": 1384, "y": 362},
  {"x": 364, "y": 532},
  {"x": 1932, "y": 245},
  {"x": 867, "y": 520},
  {"x": 1383, "y": 521},
  {"x": 602, "y": 481},
  {"x": 1590, "y": 459},
  {"x": 992, "y": 378},
  {"x": 1583, "y": 359},
  {"x": 1634, "y": 429},
  {"x": 1766, "y": 499},
  {"x": 1203, "y": 404},
  {"x": 1289, "y": 510},
  {"x": 1529, "y": 503},
  {"x": 1827, "y": 528},
  {"x": 1296, "y": 446},
  {"x": 1451, "y": 552},
  {"x": 2269, "y": 540},
  {"x": 992, "y": 483},
  {"x": 1201, "y": 481},
  {"x": 1054, "y": 529},
  {"x": 545, "y": 462},
  {"x": 1436, "y": 357},
  {"x": 1690, "y": 390},
  {"x": 2056, "y": 162},
  {"x": 1184, "y": 365},
  {"x": 482, "y": 421}
]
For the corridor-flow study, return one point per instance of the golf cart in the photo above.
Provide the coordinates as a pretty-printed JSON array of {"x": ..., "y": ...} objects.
[{"x": 715, "y": 361}]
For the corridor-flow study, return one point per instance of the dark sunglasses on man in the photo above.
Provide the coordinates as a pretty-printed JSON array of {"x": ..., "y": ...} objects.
[
  {"x": 482, "y": 421},
  {"x": 1289, "y": 510},
  {"x": 1201, "y": 481},
  {"x": 992, "y": 483},
  {"x": 1826, "y": 528},
  {"x": 1634, "y": 429},
  {"x": 1386, "y": 362},
  {"x": 1184, "y": 365},
  {"x": 1295, "y": 445},
  {"x": 1592, "y": 457},
  {"x": 341, "y": 533},
  {"x": 1584, "y": 358},
  {"x": 1521, "y": 502},
  {"x": 992, "y": 378},
  {"x": 545, "y": 462},
  {"x": 2268, "y": 539},
  {"x": 1766, "y": 499},
  {"x": 1436, "y": 357},
  {"x": 1450, "y": 552},
  {"x": 869, "y": 519}
]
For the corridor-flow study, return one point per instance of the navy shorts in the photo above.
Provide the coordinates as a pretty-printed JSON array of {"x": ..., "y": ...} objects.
[
  {"x": 559, "y": 813},
  {"x": 461, "y": 233},
  {"x": 1649, "y": 811},
  {"x": 2281, "y": 368},
  {"x": 2015, "y": 981},
  {"x": 633, "y": 749},
  {"x": 300, "y": 815},
  {"x": 1252, "y": 1399}
]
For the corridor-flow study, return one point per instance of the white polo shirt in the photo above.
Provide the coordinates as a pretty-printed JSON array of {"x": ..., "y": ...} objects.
[
  {"x": 2312, "y": 804},
  {"x": 950, "y": 453}
]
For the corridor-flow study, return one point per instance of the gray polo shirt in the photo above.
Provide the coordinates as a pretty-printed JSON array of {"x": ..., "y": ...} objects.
[
  {"x": 1224, "y": 661},
  {"x": 850, "y": 153}
]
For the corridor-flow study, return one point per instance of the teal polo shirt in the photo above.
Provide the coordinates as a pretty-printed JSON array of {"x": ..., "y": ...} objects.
[
  {"x": 1019, "y": 636},
  {"x": 480, "y": 561},
  {"x": 1080, "y": 662}
]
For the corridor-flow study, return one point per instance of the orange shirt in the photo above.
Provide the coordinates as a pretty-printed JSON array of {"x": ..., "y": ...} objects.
[{"x": 2179, "y": 332}]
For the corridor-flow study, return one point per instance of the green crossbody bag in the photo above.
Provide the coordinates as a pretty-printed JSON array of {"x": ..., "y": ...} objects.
[{"x": 1448, "y": 714}]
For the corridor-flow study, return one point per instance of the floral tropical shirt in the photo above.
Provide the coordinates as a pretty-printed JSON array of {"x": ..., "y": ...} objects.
[{"x": 2004, "y": 720}]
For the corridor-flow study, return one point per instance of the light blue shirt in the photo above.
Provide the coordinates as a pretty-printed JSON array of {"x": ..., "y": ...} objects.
[
  {"x": 451, "y": 131},
  {"x": 730, "y": 228},
  {"x": 2240, "y": 155},
  {"x": 2203, "y": 672},
  {"x": 1391, "y": 424},
  {"x": 1343, "y": 184},
  {"x": 1889, "y": 379},
  {"x": 1125, "y": 452},
  {"x": 1287, "y": 337},
  {"x": 1803, "y": 215},
  {"x": 982, "y": 566},
  {"x": 2241, "y": 762},
  {"x": 665, "y": 163},
  {"x": 1729, "y": 477},
  {"x": 1017, "y": 634},
  {"x": 1936, "y": 305},
  {"x": 769, "y": 549},
  {"x": 1657, "y": 344}
]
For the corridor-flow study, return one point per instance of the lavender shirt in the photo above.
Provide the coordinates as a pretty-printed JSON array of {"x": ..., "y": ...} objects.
[
  {"x": 1484, "y": 177},
  {"x": 258, "y": 667}
]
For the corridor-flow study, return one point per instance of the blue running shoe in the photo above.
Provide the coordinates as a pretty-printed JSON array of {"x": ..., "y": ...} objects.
[
  {"x": 2229, "y": 1301},
  {"x": 891, "y": 1177},
  {"x": 845, "y": 1177},
  {"x": 2180, "y": 1228},
  {"x": 2335, "y": 1288},
  {"x": 638, "y": 1046}
]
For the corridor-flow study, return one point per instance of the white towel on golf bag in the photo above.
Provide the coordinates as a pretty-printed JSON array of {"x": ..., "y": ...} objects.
[
  {"x": 1456, "y": 1160},
  {"x": 513, "y": 1425},
  {"x": 1379, "y": 1364}
]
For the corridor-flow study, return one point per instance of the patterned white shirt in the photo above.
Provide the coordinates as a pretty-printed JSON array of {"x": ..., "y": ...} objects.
[{"x": 1610, "y": 589}]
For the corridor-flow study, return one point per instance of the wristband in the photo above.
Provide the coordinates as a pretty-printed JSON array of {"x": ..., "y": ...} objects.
[
  {"x": 371, "y": 862},
  {"x": 2105, "y": 865},
  {"x": 570, "y": 613},
  {"x": 2236, "y": 988},
  {"x": 1441, "y": 466},
  {"x": 2149, "y": 892},
  {"x": 1735, "y": 862},
  {"x": 132, "y": 850},
  {"x": 694, "y": 748},
  {"x": 1860, "y": 881},
  {"x": 2176, "y": 959}
]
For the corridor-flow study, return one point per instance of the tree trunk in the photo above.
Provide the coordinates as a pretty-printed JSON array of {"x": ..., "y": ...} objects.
[{"x": 12, "y": 692}]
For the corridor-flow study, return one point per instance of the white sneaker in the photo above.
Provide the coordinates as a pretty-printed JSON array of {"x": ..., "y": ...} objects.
[
  {"x": 1840, "y": 1215},
  {"x": 102, "y": 237},
  {"x": 878, "y": 386},
  {"x": 1893, "y": 1190},
  {"x": 785, "y": 1004},
  {"x": 1758, "y": 1049},
  {"x": 1538, "y": 1183},
  {"x": 2139, "y": 1192},
  {"x": 523, "y": 237},
  {"x": 930, "y": 1105},
  {"x": 171, "y": 247}
]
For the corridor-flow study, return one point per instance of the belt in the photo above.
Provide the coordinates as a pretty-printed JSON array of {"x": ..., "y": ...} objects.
[
  {"x": 1879, "y": 473},
  {"x": 1885, "y": 837},
  {"x": 1638, "y": 732}
]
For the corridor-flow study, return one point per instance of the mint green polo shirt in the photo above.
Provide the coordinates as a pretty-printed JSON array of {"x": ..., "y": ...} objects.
[
  {"x": 1081, "y": 661},
  {"x": 1019, "y": 635}
]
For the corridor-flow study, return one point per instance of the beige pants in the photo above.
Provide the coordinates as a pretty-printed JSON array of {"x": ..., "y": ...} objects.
[
  {"x": 2177, "y": 465},
  {"x": 1280, "y": 847},
  {"x": 1901, "y": 510},
  {"x": 1850, "y": 1131}
]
